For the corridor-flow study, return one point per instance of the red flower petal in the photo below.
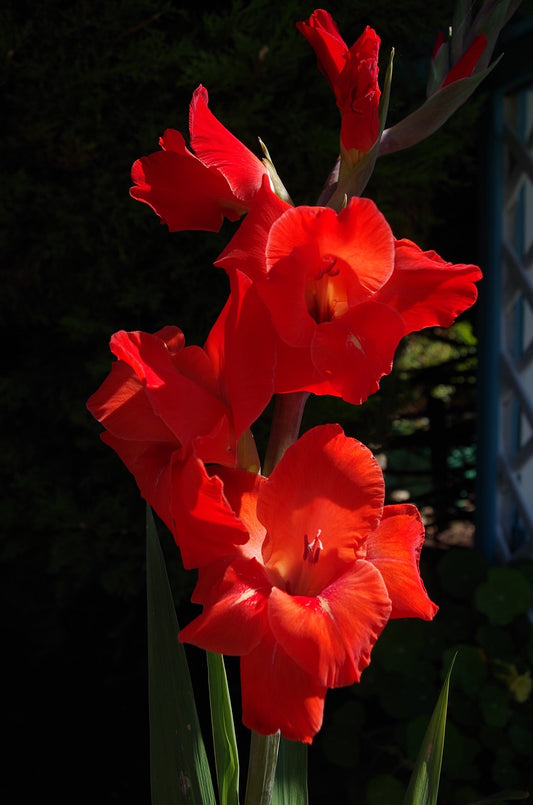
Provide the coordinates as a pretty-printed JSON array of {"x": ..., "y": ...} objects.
[
  {"x": 323, "y": 35},
  {"x": 358, "y": 237},
  {"x": 355, "y": 351},
  {"x": 426, "y": 290},
  {"x": 284, "y": 296},
  {"x": 234, "y": 619},
  {"x": 183, "y": 405},
  {"x": 296, "y": 371},
  {"x": 359, "y": 93},
  {"x": 278, "y": 695},
  {"x": 122, "y": 406},
  {"x": 242, "y": 347},
  {"x": 246, "y": 251},
  {"x": 218, "y": 148},
  {"x": 394, "y": 549},
  {"x": 151, "y": 465},
  {"x": 331, "y": 635},
  {"x": 182, "y": 190},
  {"x": 327, "y": 485},
  {"x": 204, "y": 524},
  {"x": 241, "y": 489}
]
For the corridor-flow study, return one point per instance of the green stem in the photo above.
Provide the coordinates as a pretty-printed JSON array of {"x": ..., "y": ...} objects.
[
  {"x": 261, "y": 768},
  {"x": 288, "y": 412}
]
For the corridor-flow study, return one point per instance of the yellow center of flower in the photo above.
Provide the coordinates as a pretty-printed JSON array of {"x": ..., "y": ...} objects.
[{"x": 325, "y": 295}]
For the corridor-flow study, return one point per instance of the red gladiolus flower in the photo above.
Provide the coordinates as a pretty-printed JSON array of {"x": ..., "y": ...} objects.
[
  {"x": 305, "y": 599},
  {"x": 339, "y": 292},
  {"x": 191, "y": 191},
  {"x": 165, "y": 415},
  {"x": 352, "y": 74}
]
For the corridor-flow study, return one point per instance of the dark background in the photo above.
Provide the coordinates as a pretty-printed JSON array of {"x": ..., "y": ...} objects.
[{"x": 88, "y": 87}]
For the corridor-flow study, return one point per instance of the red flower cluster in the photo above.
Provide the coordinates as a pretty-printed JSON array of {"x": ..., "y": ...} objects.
[{"x": 299, "y": 572}]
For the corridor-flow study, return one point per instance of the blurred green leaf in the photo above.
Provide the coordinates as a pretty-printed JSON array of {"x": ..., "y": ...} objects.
[
  {"x": 179, "y": 770},
  {"x": 505, "y": 595},
  {"x": 384, "y": 788},
  {"x": 521, "y": 738},
  {"x": 493, "y": 701},
  {"x": 290, "y": 784},
  {"x": 496, "y": 642},
  {"x": 341, "y": 739},
  {"x": 460, "y": 570},
  {"x": 224, "y": 740},
  {"x": 424, "y": 783},
  {"x": 504, "y": 769},
  {"x": 462, "y": 749},
  {"x": 470, "y": 669}
]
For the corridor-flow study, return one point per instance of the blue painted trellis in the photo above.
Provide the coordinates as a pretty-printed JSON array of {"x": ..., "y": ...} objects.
[{"x": 504, "y": 523}]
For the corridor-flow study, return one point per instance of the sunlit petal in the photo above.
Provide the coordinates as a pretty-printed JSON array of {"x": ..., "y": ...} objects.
[
  {"x": 325, "y": 485},
  {"x": 332, "y": 634},
  {"x": 394, "y": 549},
  {"x": 278, "y": 695},
  {"x": 235, "y": 620}
]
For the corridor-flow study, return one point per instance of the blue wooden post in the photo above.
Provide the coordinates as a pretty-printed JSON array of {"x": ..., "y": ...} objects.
[
  {"x": 489, "y": 311},
  {"x": 504, "y": 501}
]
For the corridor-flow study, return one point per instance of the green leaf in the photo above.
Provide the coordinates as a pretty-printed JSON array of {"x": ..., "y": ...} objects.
[
  {"x": 470, "y": 669},
  {"x": 494, "y": 704},
  {"x": 384, "y": 789},
  {"x": 341, "y": 738},
  {"x": 290, "y": 785},
  {"x": 224, "y": 740},
  {"x": 179, "y": 770},
  {"x": 505, "y": 595},
  {"x": 262, "y": 762},
  {"x": 438, "y": 68},
  {"x": 460, "y": 571},
  {"x": 424, "y": 783}
]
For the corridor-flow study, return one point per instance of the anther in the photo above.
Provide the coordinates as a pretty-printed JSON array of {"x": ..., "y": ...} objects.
[{"x": 312, "y": 549}]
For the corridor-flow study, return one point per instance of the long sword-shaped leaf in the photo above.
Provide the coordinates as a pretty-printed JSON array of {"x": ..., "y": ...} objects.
[
  {"x": 179, "y": 769},
  {"x": 290, "y": 785},
  {"x": 224, "y": 741},
  {"x": 424, "y": 784}
]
